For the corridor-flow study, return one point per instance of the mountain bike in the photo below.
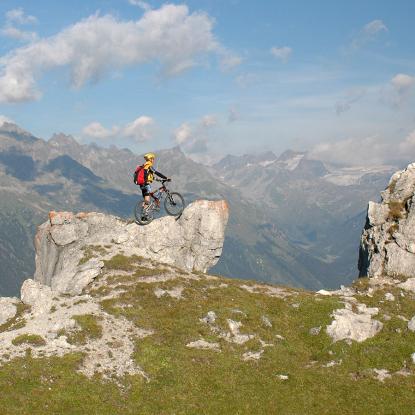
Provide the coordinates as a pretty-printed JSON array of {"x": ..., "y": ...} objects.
[{"x": 173, "y": 204}]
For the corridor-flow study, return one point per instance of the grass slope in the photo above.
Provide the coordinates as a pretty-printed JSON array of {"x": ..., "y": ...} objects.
[{"x": 193, "y": 381}]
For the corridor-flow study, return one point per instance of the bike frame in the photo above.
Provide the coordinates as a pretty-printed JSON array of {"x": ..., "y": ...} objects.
[
  {"x": 162, "y": 189},
  {"x": 144, "y": 212}
]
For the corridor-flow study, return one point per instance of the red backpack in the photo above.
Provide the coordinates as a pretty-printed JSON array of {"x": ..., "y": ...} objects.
[{"x": 139, "y": 176}]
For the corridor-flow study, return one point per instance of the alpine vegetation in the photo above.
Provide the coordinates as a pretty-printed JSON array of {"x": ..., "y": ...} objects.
[{"x": 120, "y": 317}]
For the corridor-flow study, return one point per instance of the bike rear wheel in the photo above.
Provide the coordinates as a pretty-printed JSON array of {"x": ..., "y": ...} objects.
[
  {"x": 174, "y": 204},
  {"x": 144, "y": 215}
]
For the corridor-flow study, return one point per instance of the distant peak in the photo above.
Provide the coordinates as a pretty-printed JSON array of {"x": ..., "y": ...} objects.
[
  {"x": 62, "y": 139},
  {"x": 289, "y": 154},
  {"x": 10, "y": 127},
  {"x": 173, "y": 151},
  {"x": 13, "y": 130}
]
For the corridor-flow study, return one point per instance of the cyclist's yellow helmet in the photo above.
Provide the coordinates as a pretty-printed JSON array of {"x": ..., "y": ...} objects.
[{"x": 149, "y": 156}]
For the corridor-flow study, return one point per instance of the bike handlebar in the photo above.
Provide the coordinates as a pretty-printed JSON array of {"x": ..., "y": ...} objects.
[{"x": 162, "y": 180}]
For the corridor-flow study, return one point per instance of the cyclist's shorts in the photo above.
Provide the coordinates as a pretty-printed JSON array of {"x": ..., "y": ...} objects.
[{"x": 145, "y": 190}]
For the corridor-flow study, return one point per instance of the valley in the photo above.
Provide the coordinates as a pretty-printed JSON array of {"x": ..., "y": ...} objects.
[{"x": 293, "y": 221}]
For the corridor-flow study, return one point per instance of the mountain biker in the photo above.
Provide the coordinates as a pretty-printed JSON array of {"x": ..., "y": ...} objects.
[{"x": 149, "y": 173}]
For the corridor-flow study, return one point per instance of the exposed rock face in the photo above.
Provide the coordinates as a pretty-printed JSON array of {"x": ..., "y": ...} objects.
[
  {"x": 387, "y": 245},
  {"x": 64, "y": 243}
]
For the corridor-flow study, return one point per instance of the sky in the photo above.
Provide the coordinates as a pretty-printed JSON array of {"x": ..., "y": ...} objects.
[{"x": 334, "y": 78}]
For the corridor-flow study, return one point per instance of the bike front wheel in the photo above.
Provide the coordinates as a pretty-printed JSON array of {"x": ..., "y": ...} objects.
[
  {"x": 143, "y": 215},
  {"x": 174, "y": 204}
]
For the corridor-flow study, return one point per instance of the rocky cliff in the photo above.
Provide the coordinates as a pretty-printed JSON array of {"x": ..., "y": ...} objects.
[
  {"x": 387, "y": 246},
  {"x": 110, "y": 326},
  {"x": 70, "y": 249}
]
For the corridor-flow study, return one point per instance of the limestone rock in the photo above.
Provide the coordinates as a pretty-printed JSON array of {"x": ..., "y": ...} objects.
[
  {"x": 411, "y": 324},
  {"x": 387, "y": 245},
  {"x": 381, "y": 374},
  {"x": 203, "y": 344},
  {"x": 234, "y": 336},
  {"x": 210, "y": 318},
  {"x": 315, "y": 331},
  {"x": 408, "y": 285},
  {"x": 193, "y": 242},
  {"x": 38, "y": 296},
  {"x": 351, "y": 325},
  {"x": 175, "y": 292},
  {"x": 266, "y": 321},
  {"x": 252, "y": 355},
  {"x": 8, "y": 309}
]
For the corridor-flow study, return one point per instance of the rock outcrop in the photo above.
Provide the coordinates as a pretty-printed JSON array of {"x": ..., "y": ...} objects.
[
  {"x": 144, "y": 320},
  {"x": 61, "y": 307},
  {"x": 387, "y": 246},
  {"x": 70, "y": 248},
  {"x": 355, "y": 325}
]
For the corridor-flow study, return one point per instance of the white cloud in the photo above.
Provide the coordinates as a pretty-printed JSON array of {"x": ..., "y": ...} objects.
[
  {"x": 18, "y": 34},
  {"x": 229, "y": 60},
  {"x": 194, "y": 137},
  {"x": 4, "y": 119},
  {"x": 141, "y": 4},
  {"x": 98, "y": 45},
  {"x": 18, "y": 16},
  {"x": 96, "y": 130},
  {"x": 372, "y": 150},
  {"x": 399, "y": 90},
  {"x": 374, "y": 27},
  {"x": 368, "y": 33},
  {"x": 139, "y": 130},
  {"x": 209, "y": 121},
  {"x": 352, "y": 151},
  {"x": 282, "y": 53},
  {"x": 183, "y": 134},
  {"x": 403, "y": 82}
]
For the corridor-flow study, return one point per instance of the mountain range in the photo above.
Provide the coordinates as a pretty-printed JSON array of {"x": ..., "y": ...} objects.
[{"x": 294, "y": 220}]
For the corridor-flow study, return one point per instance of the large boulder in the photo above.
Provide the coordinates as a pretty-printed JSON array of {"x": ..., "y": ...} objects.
[
  {"x": 387, "y": 245},
  {"x": 357, "y": 325},
  {"x": 38, "y": 296},
  {"x": 67, "y": 245}
]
